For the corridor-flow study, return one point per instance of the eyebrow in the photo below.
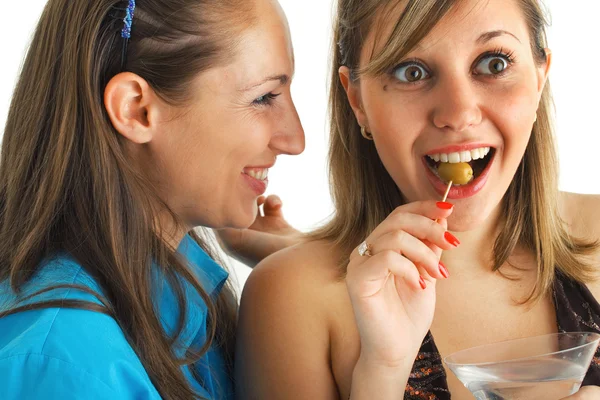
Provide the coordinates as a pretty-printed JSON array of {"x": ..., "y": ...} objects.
[
  {"x": 283, "y": 79},
  {"x": 486, "y": 37}
]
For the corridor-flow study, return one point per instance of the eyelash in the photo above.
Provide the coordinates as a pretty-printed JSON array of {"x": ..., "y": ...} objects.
[
  {"x": 408, "y": 63},
  {"x": 266, "y": 100},
  {"x": 499, "y": 52},
  {"x": 509, "y": 56}
]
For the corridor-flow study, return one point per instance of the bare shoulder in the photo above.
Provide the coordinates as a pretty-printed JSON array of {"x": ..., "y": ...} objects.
[
  {"x": 287, "y": 314},
  {"x": 581, "y": 212},
  {"x": 308, "y": 268}
]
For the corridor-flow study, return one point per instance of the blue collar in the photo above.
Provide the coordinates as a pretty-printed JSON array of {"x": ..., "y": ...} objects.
[
  {"x": 211, "y": 275},
  {"x": 62, "y": 269}
]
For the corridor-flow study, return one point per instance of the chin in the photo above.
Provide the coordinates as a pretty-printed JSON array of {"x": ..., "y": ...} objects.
[
  {"x": 243, "y": 218},
  {"x": 240, "y": 219}
]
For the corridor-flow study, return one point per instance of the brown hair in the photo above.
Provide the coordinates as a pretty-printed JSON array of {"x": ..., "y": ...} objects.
[
  {"x": 363, "y": 191},
  {"x": 66, "y": 184}
]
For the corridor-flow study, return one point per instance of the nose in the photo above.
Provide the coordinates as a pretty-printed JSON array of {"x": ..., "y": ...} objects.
[
  {"x": 289, "y": 138},
  {"x": 457, "y": 107}
]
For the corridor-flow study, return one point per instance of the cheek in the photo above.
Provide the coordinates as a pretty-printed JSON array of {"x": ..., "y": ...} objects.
[
  {"x": 387, "y": 108},
  {"x": 513, "y": 112},
  {"x": 396, "y": 124},
  {"x": 190, "y": 160}
]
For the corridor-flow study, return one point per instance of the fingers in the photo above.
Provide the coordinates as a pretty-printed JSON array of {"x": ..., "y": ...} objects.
[
  {"x": 413, "y": 249},
  {"x": 272, "y": 206},
  {"x": 420, "y": 219},
  {"x": 365, "y": 277},
  {"x": 419, "y": 226},
  {"x": 443, "y": 223},
  {"x": 428, "y": 208},
  {"x": 269, "y": 206},
  {"x": 414, "y": 235},
  {"x": 424, "y": 228}
]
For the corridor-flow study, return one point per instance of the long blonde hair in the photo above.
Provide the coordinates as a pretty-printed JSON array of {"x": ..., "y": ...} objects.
[{"x": 363, "y": 191}]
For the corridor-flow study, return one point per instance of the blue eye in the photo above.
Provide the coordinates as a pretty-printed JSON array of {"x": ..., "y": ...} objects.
[
  {"x": 266, "y": 100},
  {"x": 410, "y": 73}
]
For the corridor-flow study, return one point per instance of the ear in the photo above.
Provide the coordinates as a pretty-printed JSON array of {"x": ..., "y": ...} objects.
[
  {"x": 132, "y": 107},
  {"x": 543, "y": 71},
  {"x": 353, "y": 93}
]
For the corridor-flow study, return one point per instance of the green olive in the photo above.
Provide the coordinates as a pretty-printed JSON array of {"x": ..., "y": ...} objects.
[{"x": 458, "y": 173}]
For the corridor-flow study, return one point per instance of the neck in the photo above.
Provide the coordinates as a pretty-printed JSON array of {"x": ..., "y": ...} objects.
[
  {"x": 475, "y": 253},
  {"x": 170, "y": 232}
]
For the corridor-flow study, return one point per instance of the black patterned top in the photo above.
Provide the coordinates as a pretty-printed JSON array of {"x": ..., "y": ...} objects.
[{"x": 576, "y": 311}]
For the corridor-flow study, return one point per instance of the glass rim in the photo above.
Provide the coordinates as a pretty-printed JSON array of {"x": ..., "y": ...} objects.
[{"x": 559, "y": 334}]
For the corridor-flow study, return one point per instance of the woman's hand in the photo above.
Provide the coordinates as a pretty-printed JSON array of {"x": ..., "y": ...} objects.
[
  {"x": 586, "y": 393},
  {"x": 269, "y": 233},
  {"x": 393, "y": 289}
]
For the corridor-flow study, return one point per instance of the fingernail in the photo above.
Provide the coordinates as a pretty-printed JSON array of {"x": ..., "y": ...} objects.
[
  {"x": 422, "y": 283},
  {"x": 444, "y": 206},
  {"x": 444, "y": 270},
  {"x": 450, "y": 238}
]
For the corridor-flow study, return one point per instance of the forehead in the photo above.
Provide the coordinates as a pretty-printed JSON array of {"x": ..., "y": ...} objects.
[
  {"x": 265, "y": 49},
  {"x": 262, "y": 50},
  {"x": 464, "y": 23}
]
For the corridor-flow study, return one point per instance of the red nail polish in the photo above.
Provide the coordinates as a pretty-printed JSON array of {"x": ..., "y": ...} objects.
[
  {"x": 444, "y": 206},
  {"x": 422, "y": 283},
  {"x": 444, "y": 270},
  {"x": 450, "y": 238}
]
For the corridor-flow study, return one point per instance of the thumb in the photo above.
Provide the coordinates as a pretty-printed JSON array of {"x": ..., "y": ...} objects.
[{"x": 272, "y": 206}]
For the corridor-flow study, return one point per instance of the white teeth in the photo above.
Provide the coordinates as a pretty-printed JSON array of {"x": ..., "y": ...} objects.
[
  {"x": 260, "y": 174},
  {"x": 463, "y": 156},
  {"x": 454, "y": 158}
]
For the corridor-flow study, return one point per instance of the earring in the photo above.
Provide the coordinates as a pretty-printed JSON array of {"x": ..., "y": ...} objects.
[{"x": 365, "y": 134}]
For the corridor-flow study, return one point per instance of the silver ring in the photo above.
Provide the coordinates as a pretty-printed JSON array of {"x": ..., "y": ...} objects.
[{"x": 364, "y": 249}]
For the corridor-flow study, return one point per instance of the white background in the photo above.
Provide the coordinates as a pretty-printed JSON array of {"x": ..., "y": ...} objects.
[{"x": 302, "y": 181}]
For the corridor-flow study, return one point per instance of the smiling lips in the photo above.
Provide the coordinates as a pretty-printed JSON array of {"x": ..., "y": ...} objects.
[
  {"x": 257, "y": 173},
  {"x": 478, "y": 157},
  {"x": 257, "y": 179}
]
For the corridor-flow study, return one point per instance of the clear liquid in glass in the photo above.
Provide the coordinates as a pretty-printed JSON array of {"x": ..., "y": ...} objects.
[{"x": 526, "y": 379}]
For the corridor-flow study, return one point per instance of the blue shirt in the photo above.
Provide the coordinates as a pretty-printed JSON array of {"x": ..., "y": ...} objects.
[{"x": 61, "y": 353}]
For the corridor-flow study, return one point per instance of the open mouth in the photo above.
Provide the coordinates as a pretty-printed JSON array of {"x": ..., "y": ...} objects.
[{"x": 477, "y": 159}]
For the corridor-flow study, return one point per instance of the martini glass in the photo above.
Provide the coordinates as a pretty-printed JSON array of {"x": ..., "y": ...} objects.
[{"x": 548, "y": 367}]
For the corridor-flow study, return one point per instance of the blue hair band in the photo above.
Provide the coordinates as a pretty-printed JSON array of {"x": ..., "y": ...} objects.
[{"x": 128, "y": 20}]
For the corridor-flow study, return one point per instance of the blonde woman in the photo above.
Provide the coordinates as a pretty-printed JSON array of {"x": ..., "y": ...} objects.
[{"x": 369, "y": 306}]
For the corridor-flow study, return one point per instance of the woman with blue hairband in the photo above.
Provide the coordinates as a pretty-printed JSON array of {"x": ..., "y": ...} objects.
[{"x": 131, "y": 125}]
